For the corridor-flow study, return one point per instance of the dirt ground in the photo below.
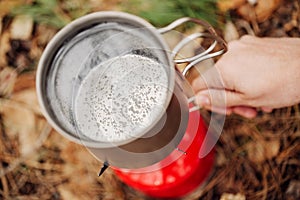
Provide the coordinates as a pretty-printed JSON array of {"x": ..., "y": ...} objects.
[{"x": 255, "y": 158}]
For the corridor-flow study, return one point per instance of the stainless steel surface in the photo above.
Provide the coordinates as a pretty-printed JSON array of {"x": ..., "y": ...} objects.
[
  {"x": 61, "y": 118},
  {"x": 61, "y": 65}
]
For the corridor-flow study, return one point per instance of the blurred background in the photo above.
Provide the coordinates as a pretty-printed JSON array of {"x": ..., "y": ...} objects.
[{"x": 256, "y": 158}]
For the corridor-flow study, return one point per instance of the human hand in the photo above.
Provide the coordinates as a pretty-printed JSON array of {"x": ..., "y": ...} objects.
[{"x": 261, "y": 73}]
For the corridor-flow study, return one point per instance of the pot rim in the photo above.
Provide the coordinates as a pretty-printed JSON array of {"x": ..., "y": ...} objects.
[{"x": 55, "y": 44}]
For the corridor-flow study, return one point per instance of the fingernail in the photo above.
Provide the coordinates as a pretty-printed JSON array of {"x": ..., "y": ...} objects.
[
  {"x": 267, "y": 109},
  {"x": 203, "y": 100}
]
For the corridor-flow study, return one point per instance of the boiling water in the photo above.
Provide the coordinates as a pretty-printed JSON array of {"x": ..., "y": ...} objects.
[
  {"x": 121, "y": 98},
  {"x": 93, "y": 47}
]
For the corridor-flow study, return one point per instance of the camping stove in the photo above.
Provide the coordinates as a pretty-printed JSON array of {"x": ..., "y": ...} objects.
[
  {"x": 108, "y": 81},
  {"x": 175, "y": 178}
]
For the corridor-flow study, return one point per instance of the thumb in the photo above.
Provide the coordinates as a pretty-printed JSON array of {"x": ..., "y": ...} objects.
[{"x": 219, "y": 98}]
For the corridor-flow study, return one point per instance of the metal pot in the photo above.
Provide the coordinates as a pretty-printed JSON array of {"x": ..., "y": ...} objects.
[{"x": 93, "y": 40}]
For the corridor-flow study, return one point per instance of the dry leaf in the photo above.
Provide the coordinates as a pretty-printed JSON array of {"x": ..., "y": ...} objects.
[
  {"x": 35, "y": 51},
  {"x": 0, "y": 25},
  {"x": 260, "y": 12},
  {"x": 259, "y": 151},
  {"x": 21, "y": 27},
  {"x": 7, "y": 81},
  {"x": 19, "y": 117},
  {"x": 230, "y": 32},
  {"x": 66, "y": 193},
  {"x": 238, "y": 196},
  {"x": 28, "y": 97},
  {"x": 225, "y": 5},
  {"x": 4, "y": 47},
  {"x": 7, "y": 5},
  {"x": 44, "y": 34},
  {"x": 20, "y": 122},
  {"x": 82, "y": 181},
  {"x": 247, "y": 12},
  {"x": 252, "y": 2},
  {"x": 75, "y": 155},
  {"x": 265, "y": 8},
  {"x": 24, "y": 81},
  {"x": 256, "y": 152},
  {"x": 246, "y": 26},
  {"x": 272, "y": 148},
  {"x": 28, "y": 136},
  {"x": 221, "y": 159}
]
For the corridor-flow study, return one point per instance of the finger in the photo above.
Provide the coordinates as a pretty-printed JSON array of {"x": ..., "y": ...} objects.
[
  {"x": 223, "y": 110},
  {"x": 219, "y": 110},
  {"x": 219, "y": 98},
  {"x": 244, "y": 111},
  {"x": 267, "y": 109},
  {"x": 211, "y": 78}
]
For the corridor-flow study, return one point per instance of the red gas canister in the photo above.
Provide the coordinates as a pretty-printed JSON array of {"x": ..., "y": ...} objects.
[{"x": 179, "y": 177}]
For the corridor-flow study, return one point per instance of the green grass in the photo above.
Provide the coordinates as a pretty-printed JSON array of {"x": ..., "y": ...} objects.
[
  {"x": 162, "y": 12},
  {"x": 58, "y": 13},
  {"x": 53, "y": 12}
]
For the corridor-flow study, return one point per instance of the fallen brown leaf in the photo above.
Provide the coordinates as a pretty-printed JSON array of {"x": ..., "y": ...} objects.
[
  {"x": 24, "y": 81},
  {"x": 66, "y": 192},
  {"x": 225, "y": 5},
  {"x": 4, "y": 47},
  {"x": 44, "y": 34},
  {"x": 230, "y": 32},
  {"x": 1, "y": 24},
  {"x": 29, "y": 98},
  {"x": 247, "y": 11},
  {"x": 265, "y": 8},
  {"x": 272, "y": 148},
  {"x": 7, "y": 81},
  {"x": 7, "y": 5},
  {"x": 21, "y": 27},
  {"x": 259, "y": 12},
  {"x": 4, "y": 184},
  {"x": 261, "y": 150},
  {"x": 20, "y": 122},
  {"x": 227, "y": 196},
  {"x": 256, "y": 152},
  {"x": 36, "y": 50}
]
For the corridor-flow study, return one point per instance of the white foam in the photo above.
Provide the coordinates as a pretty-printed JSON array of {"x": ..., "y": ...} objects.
[{"x": 121, "y": 98}]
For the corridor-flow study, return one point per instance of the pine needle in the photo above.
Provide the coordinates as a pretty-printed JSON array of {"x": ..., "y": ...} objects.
[{"x": 161, "y": 13}]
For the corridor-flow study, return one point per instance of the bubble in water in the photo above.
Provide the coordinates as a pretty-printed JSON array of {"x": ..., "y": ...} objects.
[
  {"x": 121, "y": 98},
  {"x": 87, "y": 49}
]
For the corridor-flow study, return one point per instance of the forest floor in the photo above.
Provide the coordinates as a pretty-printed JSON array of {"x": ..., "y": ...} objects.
[{"x": 255, "y": 158}]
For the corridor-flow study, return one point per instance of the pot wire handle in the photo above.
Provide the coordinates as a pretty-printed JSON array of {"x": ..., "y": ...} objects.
[{"x": 207, "y": 54}]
